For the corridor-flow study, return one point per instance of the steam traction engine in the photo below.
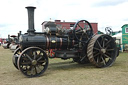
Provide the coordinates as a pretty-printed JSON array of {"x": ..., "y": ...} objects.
[{"x": 79, "y": 43}]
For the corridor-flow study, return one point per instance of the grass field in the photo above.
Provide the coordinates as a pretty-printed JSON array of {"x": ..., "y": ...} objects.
[{"x": 65, "y": 72}]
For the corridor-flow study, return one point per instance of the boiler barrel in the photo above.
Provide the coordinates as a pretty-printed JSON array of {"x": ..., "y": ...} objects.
[{"x": 46, "y": 42}]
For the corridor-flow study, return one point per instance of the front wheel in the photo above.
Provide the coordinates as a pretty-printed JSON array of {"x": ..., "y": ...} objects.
[{"x": 32, "y": 62}]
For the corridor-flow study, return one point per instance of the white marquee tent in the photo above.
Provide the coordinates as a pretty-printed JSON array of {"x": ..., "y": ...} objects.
[{"x": 119, "y": 36}]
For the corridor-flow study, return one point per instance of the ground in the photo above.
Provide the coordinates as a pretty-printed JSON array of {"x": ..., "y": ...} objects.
[{"x": 65, "y": 72}]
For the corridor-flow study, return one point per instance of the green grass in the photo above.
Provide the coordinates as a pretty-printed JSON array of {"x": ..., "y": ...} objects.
[{"x": 65, "y": 72}]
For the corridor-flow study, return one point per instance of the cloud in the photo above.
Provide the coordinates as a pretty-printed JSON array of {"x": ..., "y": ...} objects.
[
  {"x": 109, "y": 3},
  {"x": 3, "y": 25}
]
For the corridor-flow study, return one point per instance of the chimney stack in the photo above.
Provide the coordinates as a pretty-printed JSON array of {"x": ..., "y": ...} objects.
[{"x": 31, "y": 29}]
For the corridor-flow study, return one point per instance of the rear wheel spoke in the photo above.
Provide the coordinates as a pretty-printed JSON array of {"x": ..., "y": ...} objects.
[
  {"x": 97, "y": 59},
  {"x": 107, "y": 56},
  {"x": 110, "y": 49},
  {"x": 103, "y": 59},
  {"x": 96, "y": 54},
  {"x": 103, "y": 40},
  {"x": 108, "y": 42},
  {"x": 96, "y": 48},
  {"x": 98, "y": 44}
]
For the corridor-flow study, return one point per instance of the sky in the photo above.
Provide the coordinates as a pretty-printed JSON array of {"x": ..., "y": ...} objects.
[{"x": 107, "y": 13}]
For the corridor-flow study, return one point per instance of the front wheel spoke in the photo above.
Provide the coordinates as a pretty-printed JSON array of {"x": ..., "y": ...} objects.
[
  {"x": 29, "y": 57},
  {"x": 39, "y": 58},
  {"x": 42, "y": 61},
  {"x": 35, "y": 69},
  {"x": 32, "y": 70},
  {"x": 39, "y": 68},
  {"x": 107, "y": 56},
  {"x": 43, "y": 65},
  {"x": 25, "y": 58},
  {"x": 25, "y": 63},
  {"x": 35, "y": 54}
]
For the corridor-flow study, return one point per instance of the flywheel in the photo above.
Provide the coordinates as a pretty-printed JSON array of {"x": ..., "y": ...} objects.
[{"x": 102, "y": 50}]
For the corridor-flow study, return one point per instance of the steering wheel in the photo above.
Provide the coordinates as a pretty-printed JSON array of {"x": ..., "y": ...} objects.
[
  {"x": 82, "y": 30},
  {"x": 108, "y": 30}
]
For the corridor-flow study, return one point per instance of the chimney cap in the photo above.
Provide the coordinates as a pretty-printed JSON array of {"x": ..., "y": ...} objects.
[{"x": 30, "y": 7}]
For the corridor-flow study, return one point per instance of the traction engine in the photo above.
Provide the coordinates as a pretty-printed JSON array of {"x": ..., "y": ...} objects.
[{"x": 79, "y": 43}]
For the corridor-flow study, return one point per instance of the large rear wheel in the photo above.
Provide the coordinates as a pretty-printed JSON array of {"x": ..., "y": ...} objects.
[{"x": 102, "y": 50}]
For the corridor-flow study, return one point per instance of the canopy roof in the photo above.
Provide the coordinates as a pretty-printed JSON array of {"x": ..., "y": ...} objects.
[{"x": 118, "y": 36}]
